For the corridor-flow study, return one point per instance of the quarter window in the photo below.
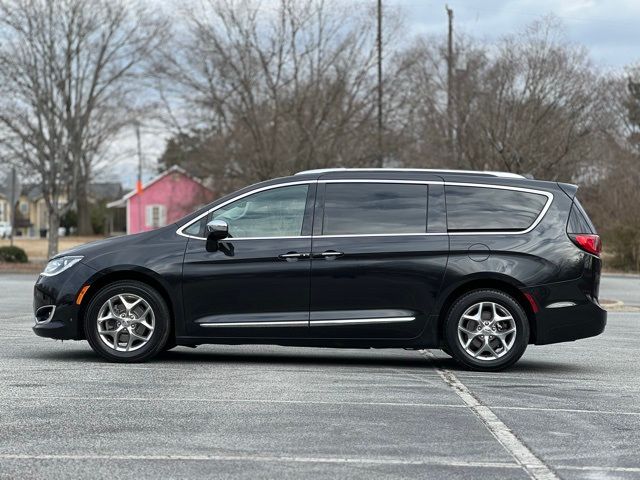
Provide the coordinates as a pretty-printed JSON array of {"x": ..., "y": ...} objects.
[
  {"x": 578, "y": 220},
  {"x": 278, "y": 212},
  {"x": 374, "y": 208},
  {"x": 491, "y": 209}
]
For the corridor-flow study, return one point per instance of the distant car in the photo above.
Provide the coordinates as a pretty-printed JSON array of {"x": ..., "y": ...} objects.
[
  {"x": 479, "y": 264},
  {"x": 5, "y": 229}
]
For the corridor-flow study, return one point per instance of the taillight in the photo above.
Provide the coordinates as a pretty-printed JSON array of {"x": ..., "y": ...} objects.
[{"x": 588, "y": 242}]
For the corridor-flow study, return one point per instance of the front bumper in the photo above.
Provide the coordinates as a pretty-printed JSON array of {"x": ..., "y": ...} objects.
[{"x": 60, "y": 291}]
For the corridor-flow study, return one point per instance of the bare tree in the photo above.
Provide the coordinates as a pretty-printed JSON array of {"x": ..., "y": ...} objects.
[
  {"x": 529, "y": 103},
  {"x": 279, "y": 87},
  {"x": 69, "y": 70}
]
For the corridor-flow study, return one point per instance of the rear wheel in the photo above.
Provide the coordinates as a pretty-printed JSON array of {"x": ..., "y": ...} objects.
[
  {"x": 486, "y": 330},
  {"x": 127, "y": 321}
]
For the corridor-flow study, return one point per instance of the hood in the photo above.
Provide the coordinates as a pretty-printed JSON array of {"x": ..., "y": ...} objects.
[{"x": 106, "y": 245}]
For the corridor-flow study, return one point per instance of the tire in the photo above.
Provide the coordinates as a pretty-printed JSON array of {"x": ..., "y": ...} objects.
[
  {"x": 147, "y": 318},
  {"x": 503, "y": 336},
  {"x": 170, "y": 345}
]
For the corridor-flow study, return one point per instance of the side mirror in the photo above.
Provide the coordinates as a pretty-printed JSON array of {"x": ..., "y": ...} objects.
[{"x": 216, "y": 230}]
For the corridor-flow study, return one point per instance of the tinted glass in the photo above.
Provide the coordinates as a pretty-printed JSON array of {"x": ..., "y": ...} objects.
[
  {"x": 278, "y": 212},
  {"x": 363, "y": 208},
  {"x": 196, "y": 229},
  {"x": 491, "y": 209},
  {"x": 578, "y": 222}
]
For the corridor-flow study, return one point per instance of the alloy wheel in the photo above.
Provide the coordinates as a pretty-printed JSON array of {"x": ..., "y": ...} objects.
[
  {"x": 487, "y": 331},
  {"x": 126, "y": 322}
]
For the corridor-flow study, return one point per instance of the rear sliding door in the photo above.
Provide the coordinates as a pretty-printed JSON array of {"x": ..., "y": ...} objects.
[{"x": 376, "y": 268}]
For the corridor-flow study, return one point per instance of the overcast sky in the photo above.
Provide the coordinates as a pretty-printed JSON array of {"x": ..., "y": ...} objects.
[{"x": 610, "y": 29}]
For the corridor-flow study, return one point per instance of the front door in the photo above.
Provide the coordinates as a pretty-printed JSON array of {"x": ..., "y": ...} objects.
[
  {"x": 257, "y": 282},
  {"x": 376, "y": 269}
]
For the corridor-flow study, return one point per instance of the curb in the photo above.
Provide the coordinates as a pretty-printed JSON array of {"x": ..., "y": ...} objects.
[{"x": 617, "y": 306}]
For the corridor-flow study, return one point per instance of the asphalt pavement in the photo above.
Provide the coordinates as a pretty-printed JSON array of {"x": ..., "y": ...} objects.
[
  {"x": 625, "y": 288},
  {"x": 564, "y": 411}
]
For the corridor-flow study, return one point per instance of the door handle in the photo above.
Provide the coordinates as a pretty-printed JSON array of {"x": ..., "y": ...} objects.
[
  {"x": 293, "y": 256},
  {"x": 330, "y": 254}
]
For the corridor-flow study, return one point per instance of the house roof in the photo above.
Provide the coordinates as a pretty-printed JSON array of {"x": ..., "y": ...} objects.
[
  {"x": 105, "y": 190},
  {"x": 96, "y": 190},
  {"x": 122, "y": 201}
]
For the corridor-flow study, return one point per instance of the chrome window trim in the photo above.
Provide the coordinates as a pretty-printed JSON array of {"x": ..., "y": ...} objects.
[
  {"x": 549, "y": 195},
  {"x": 356, "y": 235},
  {"x": 543, "y": 212},
  {"x": 180, "y": 231}
]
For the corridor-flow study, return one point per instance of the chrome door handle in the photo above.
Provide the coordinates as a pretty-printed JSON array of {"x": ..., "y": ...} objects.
[
  {"x": 293, "y": 256},
  {"x": 329, "y": 254}
]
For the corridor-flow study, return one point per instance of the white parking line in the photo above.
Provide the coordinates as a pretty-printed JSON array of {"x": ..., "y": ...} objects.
[
  {"x": 305, "y": 402},
  {"x": 225, "y": 400},
  {"x": 566, "y": 410},
  {"x": 300, "y": 459},
  {"x": 267, "y": 458},
  {"x": 591, "y": 468},
  {"x": 532, "y": 465}
]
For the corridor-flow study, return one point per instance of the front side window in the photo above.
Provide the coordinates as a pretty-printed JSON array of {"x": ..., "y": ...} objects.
[
  {"x": 491, "y": 209},
  {"x": 278, "y": 212},
  {"x": 374, "y": 208}
]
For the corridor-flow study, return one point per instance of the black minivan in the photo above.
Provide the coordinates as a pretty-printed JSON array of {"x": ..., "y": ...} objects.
[{"x": 478, "y": 264}]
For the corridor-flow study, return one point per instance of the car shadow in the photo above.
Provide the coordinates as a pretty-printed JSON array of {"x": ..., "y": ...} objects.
[{"x": 392, "y": 358}]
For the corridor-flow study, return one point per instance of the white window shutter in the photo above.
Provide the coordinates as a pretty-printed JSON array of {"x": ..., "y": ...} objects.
[
  {"x": 162, "y": 215},
  {"x": 148, "y": 217}
]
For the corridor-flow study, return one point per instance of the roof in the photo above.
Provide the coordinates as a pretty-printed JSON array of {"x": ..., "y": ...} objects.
[
  {"x": 105, "y": 190},
  {"x": 417, "y": 170},
  {"x": 122, "y": 201}
]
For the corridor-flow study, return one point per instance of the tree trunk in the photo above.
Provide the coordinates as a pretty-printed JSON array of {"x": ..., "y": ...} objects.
[
  {"x": 84, "y": 210},
  {"x": 52, "y": 243}
]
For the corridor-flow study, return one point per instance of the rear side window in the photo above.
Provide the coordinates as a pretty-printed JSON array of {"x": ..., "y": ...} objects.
[
  {"x": 374, "y": 208},
  {"x": 578, "y": 220},
  {"x": 482, "y": 209}
]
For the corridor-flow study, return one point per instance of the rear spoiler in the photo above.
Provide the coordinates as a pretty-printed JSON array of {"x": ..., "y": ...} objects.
[{"x": 568, "y": 188}]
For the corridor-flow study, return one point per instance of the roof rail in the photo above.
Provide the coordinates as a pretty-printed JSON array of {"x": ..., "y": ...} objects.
[{"x": 425, "y": 170}]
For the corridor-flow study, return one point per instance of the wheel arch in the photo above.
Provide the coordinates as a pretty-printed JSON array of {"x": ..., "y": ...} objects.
[
  {"x": 502, "y": 283},
  {"x": 145, "y": 276}
]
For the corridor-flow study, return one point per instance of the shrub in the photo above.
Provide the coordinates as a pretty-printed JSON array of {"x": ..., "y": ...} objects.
[
  {"x": 624, "y": 243},
  {"x": 13, "y": 255}
]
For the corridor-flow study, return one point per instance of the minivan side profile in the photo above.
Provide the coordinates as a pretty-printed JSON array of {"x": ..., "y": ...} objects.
[{"x": 478, "y": 264}]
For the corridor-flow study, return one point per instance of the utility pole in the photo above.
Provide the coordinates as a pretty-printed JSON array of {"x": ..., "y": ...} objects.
[
  {"x": 139, "y": 180},
  {"x": 450, "y": 67},
  {"x": 379, "y": 44},
  {"x": 13, "y": 200}
]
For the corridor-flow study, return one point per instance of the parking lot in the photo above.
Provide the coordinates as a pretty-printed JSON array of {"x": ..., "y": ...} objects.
[{"x": 564, "y": 411}]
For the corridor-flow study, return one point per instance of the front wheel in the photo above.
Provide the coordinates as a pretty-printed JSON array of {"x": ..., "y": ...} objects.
[
  {"x": 486, "y": 330},
  {"x": 127, "y": 321}
]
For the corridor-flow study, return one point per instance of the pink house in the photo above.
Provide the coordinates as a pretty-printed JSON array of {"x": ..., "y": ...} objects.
[{"x": 163, "y": 200}]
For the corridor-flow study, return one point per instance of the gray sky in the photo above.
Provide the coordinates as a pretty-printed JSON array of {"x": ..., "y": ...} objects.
[{"x": 609, "y": 29}]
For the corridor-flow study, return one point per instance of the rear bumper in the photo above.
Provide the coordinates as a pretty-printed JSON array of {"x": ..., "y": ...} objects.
[
  {"x": 571, "y": 323},
  {"x": 566, "y": 311}
]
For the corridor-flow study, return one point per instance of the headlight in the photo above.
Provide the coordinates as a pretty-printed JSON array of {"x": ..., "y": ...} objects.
[{"x": 59, "y": 265}]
